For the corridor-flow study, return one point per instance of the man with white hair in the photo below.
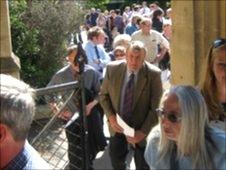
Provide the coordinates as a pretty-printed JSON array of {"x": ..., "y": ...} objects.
[{"x": 16, "y": 115}]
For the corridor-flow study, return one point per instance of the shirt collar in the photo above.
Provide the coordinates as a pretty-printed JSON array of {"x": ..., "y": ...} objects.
[
  {"x": 129, "y": 72},
  {"x": 149, "y": 33},
  {"x": 19, "y": 162},
  {"x": 93, "y": 44}
]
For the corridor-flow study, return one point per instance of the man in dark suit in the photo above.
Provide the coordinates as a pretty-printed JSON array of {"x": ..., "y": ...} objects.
[{"x": 143, "y": 99}]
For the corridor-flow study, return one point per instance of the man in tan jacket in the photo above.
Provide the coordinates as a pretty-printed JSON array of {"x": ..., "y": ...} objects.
[{"x": 144, "y": 97}]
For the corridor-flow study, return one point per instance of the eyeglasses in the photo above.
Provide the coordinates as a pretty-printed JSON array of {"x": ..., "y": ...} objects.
[
  {"x": 219, "y": 42},
  {"x": 170, "y": 116},
  {"x": 119, "y": 54}
]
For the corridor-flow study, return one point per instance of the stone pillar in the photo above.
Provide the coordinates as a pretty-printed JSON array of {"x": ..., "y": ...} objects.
[
  {"x": 10, "y": 64},
  {"x": 195, "y": 25}
]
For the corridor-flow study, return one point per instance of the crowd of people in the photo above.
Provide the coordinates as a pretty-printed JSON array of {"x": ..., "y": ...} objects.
[{"x": 183, "y": 127}]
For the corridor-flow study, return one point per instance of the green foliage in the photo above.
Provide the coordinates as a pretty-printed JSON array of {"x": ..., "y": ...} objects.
[
  {"x": 39, "y": 34},
  {"x": 101, "y": 4},
  {"x": 24, "y": 40},
  {"x": 163, "y": 3}
]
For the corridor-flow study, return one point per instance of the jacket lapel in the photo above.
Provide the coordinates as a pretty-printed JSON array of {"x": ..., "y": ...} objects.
[{"x": 119, "y": 83}]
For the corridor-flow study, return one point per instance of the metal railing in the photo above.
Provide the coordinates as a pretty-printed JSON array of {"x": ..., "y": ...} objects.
[{"x": 48, "y": 131}]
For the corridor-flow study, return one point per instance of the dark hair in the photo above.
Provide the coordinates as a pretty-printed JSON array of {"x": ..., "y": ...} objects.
[
  {"x": 157, "y": 13},
  {"x": 118, "y": 11}
]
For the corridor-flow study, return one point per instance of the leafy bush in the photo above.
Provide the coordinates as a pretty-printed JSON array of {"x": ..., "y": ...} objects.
[{"x": 39, "y": 31}]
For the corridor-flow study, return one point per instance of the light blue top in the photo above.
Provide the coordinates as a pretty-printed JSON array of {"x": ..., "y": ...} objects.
[
  {"x": 28, "y": 159},
  {"x": 216, "y": 147},
  {"x": 92, "y": 56}
]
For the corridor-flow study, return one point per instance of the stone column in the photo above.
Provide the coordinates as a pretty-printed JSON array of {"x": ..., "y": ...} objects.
[
  {"x": 10, "y": 64},
  {"x": 195, "y": 25}
]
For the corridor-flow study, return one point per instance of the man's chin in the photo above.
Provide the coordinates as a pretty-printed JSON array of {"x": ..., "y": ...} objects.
[{"x": 134, "y": 69}]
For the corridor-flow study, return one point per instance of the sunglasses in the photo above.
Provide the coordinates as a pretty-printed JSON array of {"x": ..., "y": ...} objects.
[
  {"x": 170, "y": 116},
  {"x": 119, "y": 54},
  {"x": 219, "y": 42}
]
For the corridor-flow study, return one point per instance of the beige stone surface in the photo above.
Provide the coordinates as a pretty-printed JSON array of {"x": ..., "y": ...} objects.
[
  {"x": 10, "y": 63},
  {"x": 195, "y": 25}
]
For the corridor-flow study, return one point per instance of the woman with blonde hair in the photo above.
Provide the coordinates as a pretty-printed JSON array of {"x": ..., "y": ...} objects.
[
  {"x": 183, "y": 139},
  {"x": 213, "y": 86}
]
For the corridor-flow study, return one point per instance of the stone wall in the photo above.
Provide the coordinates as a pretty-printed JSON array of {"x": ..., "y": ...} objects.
[
  {"x": 195, "y": 25},
  {"x": 10, "y": 64}
]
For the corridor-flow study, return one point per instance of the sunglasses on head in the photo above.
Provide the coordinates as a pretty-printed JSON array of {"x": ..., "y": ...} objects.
[
  {"x": 219, "y": 42},
  {"x": 170, "y": 116}
]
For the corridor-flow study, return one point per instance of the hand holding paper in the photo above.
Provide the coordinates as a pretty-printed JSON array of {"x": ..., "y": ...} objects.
[
  {"x": 127, "y": 130},
  {"x": 114, "y": 124}
]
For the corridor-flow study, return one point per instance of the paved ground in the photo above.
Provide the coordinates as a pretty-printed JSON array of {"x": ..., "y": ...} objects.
[{"x": 103, "y": 161}]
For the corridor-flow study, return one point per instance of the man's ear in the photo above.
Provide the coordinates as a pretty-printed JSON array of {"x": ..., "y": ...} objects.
[{"x": 3, "y": 132}]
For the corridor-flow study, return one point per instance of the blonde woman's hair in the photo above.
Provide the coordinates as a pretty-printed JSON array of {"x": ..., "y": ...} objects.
[
  {"x": 209, "y": 87},
  {"x": 193, "y": 124}
]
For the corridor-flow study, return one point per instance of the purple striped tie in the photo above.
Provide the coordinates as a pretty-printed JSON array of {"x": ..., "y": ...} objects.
[{"x": 128, "y": 99}]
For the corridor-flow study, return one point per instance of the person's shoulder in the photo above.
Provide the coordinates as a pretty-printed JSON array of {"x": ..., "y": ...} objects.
[
  {"x": 88, "y": 44},
  {"x": 116, "y": 66},
  {"x": 154, "y": 135},
  {"x": 35, "y": 161},
  {"x": 154, "y": 32},
  {"x": 151, "y": 67},
  {"x": 61, "y": 73},
  {"x": 63, "y": 69},
  {"x": 216, "y": 141},
  {"x": 136, "y": 33},
  {"x": 218, "y": 124},
  {"x": 218, "y": 138},
  {"x": 151, "y": 151},
  {"x": 100, "y": 47},
  {"x": 90, "y": 69},
  {"x": 116, "y": 63}
]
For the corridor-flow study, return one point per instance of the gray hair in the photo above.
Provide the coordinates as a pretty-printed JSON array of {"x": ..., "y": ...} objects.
[
  {"x": 121, "y": 40},
  {"x": 194, "y": 123},
  {"x": 17, "y": 106},
  {"x": 137, "y": 46}
]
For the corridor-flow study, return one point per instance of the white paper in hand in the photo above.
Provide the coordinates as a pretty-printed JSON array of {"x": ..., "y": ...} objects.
[{"x": 127, "y": 130}]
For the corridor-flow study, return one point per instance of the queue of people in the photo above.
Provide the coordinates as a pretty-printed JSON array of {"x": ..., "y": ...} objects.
[
  {"x": 183, "y": 129},
  {"x": 132, "y": 90},
  {"x": 148, "y": 23}
]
